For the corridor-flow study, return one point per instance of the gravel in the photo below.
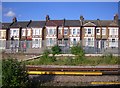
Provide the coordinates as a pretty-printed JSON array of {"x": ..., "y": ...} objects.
[{"x": 62, "y": 80}]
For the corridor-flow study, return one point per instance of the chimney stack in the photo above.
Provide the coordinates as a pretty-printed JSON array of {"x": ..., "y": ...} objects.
[
  {"x": 81, "y": 20},
  {"x": 98, "y": 22},
  {"x": 116, "y": 18},
  {"x": 14, "y": 20},
  {"x": 47, "y": 18}
]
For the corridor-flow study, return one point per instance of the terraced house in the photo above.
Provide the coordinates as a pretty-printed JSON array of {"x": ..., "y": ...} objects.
[
  {"x": 36, "y": 31},
  {"x": 97, "y": 34}
]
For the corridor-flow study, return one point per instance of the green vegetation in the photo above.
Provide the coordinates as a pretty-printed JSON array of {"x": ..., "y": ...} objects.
[
  {"x": 93, "y": 61},
  {"x": 79, "y": 59},
  {"x": 78, "y": 51},
  {"x": 56, "y": 50},
  {"x": 14, "y": 74}
]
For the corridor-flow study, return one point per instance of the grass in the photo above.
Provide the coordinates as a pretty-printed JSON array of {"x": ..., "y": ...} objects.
[{"x": 92, "y": 61}]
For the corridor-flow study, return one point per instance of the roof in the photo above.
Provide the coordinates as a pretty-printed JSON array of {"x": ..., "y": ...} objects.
[
  {"x": 119, "y": 22},
  {"x": 22, "y": 24},
  {"x": 5, "y": 25},
  {"x": 0, "y": 25},
  {"x": 55, "y": 23},
  {"x": 113, "y": 24},
  {"x": 72, "y": 23},
  {"x": 101, "y": 22},
  {"x": 37, "y": 24}
]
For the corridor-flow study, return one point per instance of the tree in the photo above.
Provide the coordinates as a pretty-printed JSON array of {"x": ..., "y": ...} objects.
[
  {"x": 77, "y": 50},
  {"x": 14, "y": 74},
  {"x": 56, "y": 50}
]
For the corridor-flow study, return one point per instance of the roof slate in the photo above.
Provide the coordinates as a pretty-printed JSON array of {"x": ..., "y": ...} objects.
[
  {"x": 55, "y": 23},
  {"x": 72, "y": 23},
  {"x": 22, "y": 24},
  {"x": 5, "y": 25},
  {"x": 37, "y": 24}
]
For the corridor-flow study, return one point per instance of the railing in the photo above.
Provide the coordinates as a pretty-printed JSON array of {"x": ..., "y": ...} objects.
[{"x": 93, "y": 47}]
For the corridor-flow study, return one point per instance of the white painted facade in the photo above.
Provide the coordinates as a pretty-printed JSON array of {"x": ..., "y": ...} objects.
[
  {"x": 15, "y": 33},
  {"x": 89, "y": 36},
  {"x": 104, "y": 30},
  {"x": 36, "y": 41},
  {"x": 60, "y": 30},
  {"x": 98, "y": 31},
  {"x": 51, "y": 32},
  {"x": 29, "y": 32},
  {"x": 24, "y": 31},
  {"x": 74, "y": 35},
  {"x": 37, "y": 31},
  {"x": 66, "y": 30},
  {"x": 113, "y": 36},
  {"x": 51, "y": 36}
]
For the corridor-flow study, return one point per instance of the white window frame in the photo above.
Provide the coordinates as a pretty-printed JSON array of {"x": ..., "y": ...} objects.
[
  {"x": 89, "y": 31},
  {"x": 28, "y": 32},
  {"x": 23, "y": 32},
  {"x": 98, "y": 31},
  {"x": 103, "y": 31},
  {"x": 65, "y": 31},
  {"x": 78, "y": 31}
]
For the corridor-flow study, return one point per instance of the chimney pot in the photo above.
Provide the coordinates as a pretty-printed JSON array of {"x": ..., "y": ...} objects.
[{"x": 14, "y": 19}]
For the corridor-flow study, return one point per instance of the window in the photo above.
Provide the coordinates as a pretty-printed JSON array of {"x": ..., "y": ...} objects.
[
  {"x": 37, "y": 32},
  {"x": 36, "y": 41},
  {"x": 74, "y": 31},
  {"x": 89, "y": 31},
  {"x": 74, "y": 41},
  {"x": 78, "y": 31},
  {"x": 103, "y": 31},
  {"x": 14, "y": 31},
  {"x": 113, "y": 40},
  {"x": 65, "y": 31},
  {"x": 29, "y": 33},
  {"x": 89, "y": 41},
  {"x": 60, "y": 41},
  {"x": 33, "y": 31},
  {"x": 51, "y": 31},
  {"x": 114, "y": 32},
  {"x": 97, "y": 30},
  {"x": 50, "y": 41},
  {"x": 59, "y": 31},
  {"x": 23, "y": 32}
]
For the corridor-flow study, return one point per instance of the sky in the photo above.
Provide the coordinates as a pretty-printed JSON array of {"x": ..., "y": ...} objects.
[{"x": 25, "y": 11}]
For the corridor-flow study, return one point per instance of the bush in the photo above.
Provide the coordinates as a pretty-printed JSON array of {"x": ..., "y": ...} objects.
[
  {"x": 14, "y": 74},
  {"x": 77, "y": 50},
  {"x": 56, "y": 50}
]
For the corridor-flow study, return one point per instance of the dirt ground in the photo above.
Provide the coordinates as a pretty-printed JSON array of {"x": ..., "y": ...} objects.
[{"x": 19, "y": 56}]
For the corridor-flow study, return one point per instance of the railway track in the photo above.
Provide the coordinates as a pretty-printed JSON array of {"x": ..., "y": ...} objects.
[{"x": 36, "y": 70}]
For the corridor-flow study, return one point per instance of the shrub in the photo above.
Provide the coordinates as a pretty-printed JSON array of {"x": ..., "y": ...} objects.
[
  {"x": 14, "y": 74},
  {"x": 77, "y": 50},
  {"x": 56, "y": 50}
]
